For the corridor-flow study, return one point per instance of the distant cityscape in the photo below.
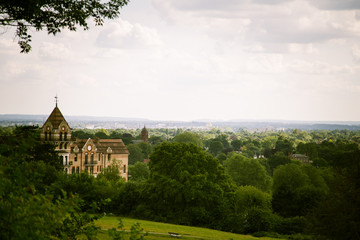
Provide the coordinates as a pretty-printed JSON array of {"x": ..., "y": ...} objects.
[{"x": 89, "y": 122}]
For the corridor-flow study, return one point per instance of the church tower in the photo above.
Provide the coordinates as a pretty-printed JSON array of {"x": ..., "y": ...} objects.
[{"x": 58, "y": 132}]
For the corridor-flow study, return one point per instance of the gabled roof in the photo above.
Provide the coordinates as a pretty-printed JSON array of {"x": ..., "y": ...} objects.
[
  {"x": 55, "y": 118},
  {"x": 116, "y": 145}
]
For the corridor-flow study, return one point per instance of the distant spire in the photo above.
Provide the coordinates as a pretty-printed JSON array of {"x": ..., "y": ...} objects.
[{"x": 56, "y": 100}]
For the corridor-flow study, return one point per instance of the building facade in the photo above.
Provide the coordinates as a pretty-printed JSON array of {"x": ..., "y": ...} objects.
[{"x": 83, "y": 155}]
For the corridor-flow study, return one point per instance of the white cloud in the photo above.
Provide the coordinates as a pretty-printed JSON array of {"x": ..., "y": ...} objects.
[
  {"x": 123, "y": 34},
  {"x": 54, "y": 51},
  {"x": 356, "y": 52},
  {"x": 302, "y": 48}
]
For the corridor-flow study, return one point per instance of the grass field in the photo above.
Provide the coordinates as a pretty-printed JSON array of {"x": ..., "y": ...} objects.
[{"x": 160, "y": 231}]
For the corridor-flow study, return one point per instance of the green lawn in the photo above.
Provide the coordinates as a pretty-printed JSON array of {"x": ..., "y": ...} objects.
[{"x": 160, "y": 231}]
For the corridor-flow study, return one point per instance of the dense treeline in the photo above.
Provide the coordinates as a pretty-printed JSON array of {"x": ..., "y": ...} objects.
[{"x": 234, "y": 181}]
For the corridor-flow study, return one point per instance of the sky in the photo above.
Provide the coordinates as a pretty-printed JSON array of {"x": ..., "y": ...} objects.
[{"x": 195, "y": 59}]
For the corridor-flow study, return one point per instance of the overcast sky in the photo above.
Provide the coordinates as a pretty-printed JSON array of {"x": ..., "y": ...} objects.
[{"x": 195, "y": 59}]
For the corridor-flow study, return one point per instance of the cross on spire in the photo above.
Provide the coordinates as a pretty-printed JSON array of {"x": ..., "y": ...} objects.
[{"x": 56, "y": 100}]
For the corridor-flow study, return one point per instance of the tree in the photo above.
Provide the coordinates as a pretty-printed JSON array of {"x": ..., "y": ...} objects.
[
  {"x": 283, "y": 145},
  {"x": 245, "y": 171},
  {"x": 278, "y": 159},
  {"x": 188, "y": 137},
  {"x": 251, "y": 211},
  {"x": 135, "y": 154},
  {"x": 237, "y": 144},
  {"x": 54, "y": 15},
  {"x": 102, "y": 133},
  {"x": 186, "y": 185},
  {"x": 139, "y": 172},
  {"x": 215, "y": 147},
  {"x": 337, "y": 217},
  {"x": 297, "y": 189},
  {"x": 28, "y": 169},
  {"x": 145, "y": 149}
]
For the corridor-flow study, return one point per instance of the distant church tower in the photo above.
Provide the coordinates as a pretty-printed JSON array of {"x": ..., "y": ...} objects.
[
  {"x": 144, "y": 135},
  {"x": 58, "y": 132}
]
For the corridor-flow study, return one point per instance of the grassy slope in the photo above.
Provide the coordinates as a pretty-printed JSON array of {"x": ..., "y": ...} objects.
[{"x": 160, "y": 230}]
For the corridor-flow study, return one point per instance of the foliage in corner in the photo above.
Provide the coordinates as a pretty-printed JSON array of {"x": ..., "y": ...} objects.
[{"x": 54, "y": 15}]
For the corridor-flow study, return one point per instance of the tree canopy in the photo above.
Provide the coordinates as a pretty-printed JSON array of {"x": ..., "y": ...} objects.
[
  {"x": 186, "y": 184},
  {"x": 54, "y": 15}
]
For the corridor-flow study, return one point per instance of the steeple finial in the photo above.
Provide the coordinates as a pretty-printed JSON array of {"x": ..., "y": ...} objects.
[{"x": 56, "y": 100}]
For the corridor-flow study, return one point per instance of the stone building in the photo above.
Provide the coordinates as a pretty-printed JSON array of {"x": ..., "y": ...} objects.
[
  {"x": 301, "y": 157},
  {"x": 79, "y": 155}
]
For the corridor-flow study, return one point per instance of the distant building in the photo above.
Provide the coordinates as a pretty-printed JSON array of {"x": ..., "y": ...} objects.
[
  {"x": 301, "y": 157},
  {"x": 144, "y": 135},
  {"x": 79, "y": 155}
]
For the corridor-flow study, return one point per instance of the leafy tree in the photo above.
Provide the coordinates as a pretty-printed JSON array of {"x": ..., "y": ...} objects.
[
  {"x": 28, "y": 169},
  {"x": 223, "y": 138},
  {"x": 297, "y": 189},
  {"x": 102, "y": 134},
  {"x": 82, "y": 134},
  {"x": 188, "y": 137},
  {"x": 279, "y": 158},
  {"x": 245, "y": 171},
  {"x": 127, "y": 138},
  {"x": 145, "y": 149},
  {"x": 215, "y": 147},
  {"x": 54, "y": 15},
  {"x": 139, "y": 172},
  {"x": 156, "y": 140},
  {"x": 135, "y": 154},
  {"x": 236, "y": 144},
  {"x": 337, "y": 216},
  {"x": 283, "y": 145},
  {"x": 221, "y": 157},
  {"x": 186, "y": 185},
  {"x": 251, "y": 211}
]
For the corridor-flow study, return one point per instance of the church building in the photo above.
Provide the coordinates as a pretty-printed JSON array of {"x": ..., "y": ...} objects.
[{"x": 79, "y": 155}]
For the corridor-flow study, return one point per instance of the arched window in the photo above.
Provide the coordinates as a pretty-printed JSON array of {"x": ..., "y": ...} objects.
[
  {"x": 75, "y": 157},
  {"x": 73, "y": 170},
  {"x": 65, "y": 145},
  {"x": 61, "y": 146},
  {"x": 92, "y": 158},
  {"x": 66, "y": 160},
  {"x": 86, "y": 158},
  {"x": 65, "y": 136},
  {"x": 77, "y": 169},
  {"x": 45, "y": 136},
  {"x": 61, "y": 136},
  {"x": 109, "y": 157},
  {"x": 124, "y": 168},
  {"x": 49, "y": 135},
  {"x": 62, "y": 159}
]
